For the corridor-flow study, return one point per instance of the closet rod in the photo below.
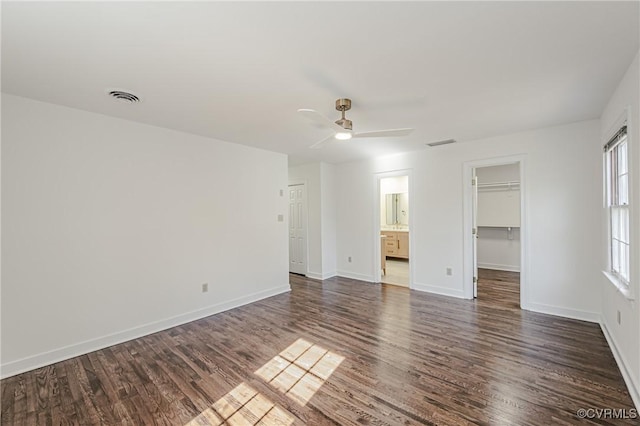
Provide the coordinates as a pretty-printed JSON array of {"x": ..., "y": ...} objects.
[{"x": 495, "y": 184}]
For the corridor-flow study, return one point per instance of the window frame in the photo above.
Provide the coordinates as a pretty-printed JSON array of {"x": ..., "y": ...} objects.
[{"x": 617, "y": 204}]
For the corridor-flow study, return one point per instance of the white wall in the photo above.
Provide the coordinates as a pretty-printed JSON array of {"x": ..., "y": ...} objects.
[
  {"x": 624, "y": 337},
  {"x": 394, "y": 185},
  {"x": 498, "y": 206},
  {"x": 499, "y": 248},
  {"x": 563, "y": 276},
  {"x": 503, "y": 173},
  {"x": 1, "y": 274},
  {"x": 321, "y": 225},
  {"x": 328, "y": 212},
  {"x": 110, "y": 227}
]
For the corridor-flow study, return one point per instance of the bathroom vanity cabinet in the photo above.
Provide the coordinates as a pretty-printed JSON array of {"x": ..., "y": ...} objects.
[{"x": 396, "y": 244}]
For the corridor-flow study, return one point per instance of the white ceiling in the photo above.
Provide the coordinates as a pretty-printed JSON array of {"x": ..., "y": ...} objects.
[{"x": 238, "y": 71}]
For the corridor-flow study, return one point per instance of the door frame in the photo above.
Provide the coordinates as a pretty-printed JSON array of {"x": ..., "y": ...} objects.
[
  {"x": 377, "y": 252},
  {"x": 474, "y": 224},
  {"x": 467, "y": 174},
  {"x": 302, "y": 182}
]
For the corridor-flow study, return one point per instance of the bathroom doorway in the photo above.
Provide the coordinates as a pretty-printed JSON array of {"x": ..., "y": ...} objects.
[{"x": 394, "y": 231}]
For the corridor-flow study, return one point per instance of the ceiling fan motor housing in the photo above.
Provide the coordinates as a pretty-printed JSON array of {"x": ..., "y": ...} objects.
[
  {"x": 345, "y": 124},
  {"x": 342, "y": 105}
]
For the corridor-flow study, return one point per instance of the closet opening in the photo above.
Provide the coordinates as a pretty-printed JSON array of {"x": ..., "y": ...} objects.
[{"x": 496, "y": 234}]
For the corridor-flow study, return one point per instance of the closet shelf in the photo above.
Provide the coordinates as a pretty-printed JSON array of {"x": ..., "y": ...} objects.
[{"x": 508, "y": 185}]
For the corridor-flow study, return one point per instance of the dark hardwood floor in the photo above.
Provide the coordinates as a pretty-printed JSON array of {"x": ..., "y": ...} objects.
[
  {"x": 338, "y": 352},
  {"x": 498, "y": 289}
]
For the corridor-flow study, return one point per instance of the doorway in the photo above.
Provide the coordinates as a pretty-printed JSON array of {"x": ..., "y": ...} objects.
[
  {"x": 298, "y": 229},
  {"x": 497, "y": 219},
  {"x": 394, "y": 230},
  {"x": 494, "y": 215}
]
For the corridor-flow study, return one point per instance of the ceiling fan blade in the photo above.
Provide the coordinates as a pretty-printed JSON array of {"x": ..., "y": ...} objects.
[
  {"x": 318, "y": 118},
  {"x": 323, "y": 142},
  {"x": 384, "y": 133}
]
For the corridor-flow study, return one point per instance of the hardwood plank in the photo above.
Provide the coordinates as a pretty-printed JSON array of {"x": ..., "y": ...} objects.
[{"x": 407, "y": 358}]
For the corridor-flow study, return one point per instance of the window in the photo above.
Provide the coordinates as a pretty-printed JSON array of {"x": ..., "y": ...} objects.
[{"x": 617, "y": 169}]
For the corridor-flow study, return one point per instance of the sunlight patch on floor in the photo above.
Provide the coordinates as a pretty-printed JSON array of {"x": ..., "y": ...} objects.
[
  {"x": 300, "y": 370},
  {"x": 243, "y": 406}
]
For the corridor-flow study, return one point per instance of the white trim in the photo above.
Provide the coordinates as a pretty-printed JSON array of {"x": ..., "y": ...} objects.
[
  {"x": 56, "y": 355},
  {"x": 498, "y": 267},
  {"x": 563, "y": 312},
  {"x": 632, "y": 386},
  {"x": 467, "y": 259},
  {"x": 320, "y": 276},
  {"x": 622, "y": 288},
  {"x": 355, "y": 276},
  {"x": 443, "y": 291},
  {"x": 377, "y": 267}
]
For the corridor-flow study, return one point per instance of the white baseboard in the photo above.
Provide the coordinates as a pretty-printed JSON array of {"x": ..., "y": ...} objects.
[
  {"x": 563, "y": 312},
  {"x": 319, "y": 276},
  {"x": 632, "y": 386},
  {"x": 356, "y": 276},
  {"x": 313, "y": 275},
  {"x": 498, "y": 267},
  {"x": 443, "y": 291},
  {"x": 46, "y": 358}
]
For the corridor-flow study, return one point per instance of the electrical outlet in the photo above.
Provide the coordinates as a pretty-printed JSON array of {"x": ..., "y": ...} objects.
[
  {"x": 282, "y": 192},
  {"x": 449, "y": 271},
  {"x": 205, "y": 287},
  {"x": 280, "y": 218},
  {"x": 619, "y": 318},
  {"x": 349, "y": 259}
]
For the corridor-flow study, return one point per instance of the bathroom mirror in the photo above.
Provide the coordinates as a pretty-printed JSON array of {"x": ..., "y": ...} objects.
[{"x": 397, "y": 207}]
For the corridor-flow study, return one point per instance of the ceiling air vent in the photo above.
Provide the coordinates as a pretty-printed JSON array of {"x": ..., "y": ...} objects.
[
  {"x": 125, "y": 97},
  {"x": 445, "y": 142}
]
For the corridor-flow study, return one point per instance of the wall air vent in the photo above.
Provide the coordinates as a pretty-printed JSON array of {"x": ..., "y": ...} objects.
[
  {"x": 124, "y": 97},
  {"x": 445, "y": 142}
]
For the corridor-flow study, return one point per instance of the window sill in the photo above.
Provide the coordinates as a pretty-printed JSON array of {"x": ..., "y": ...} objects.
[{"x": 624, "y": 289}]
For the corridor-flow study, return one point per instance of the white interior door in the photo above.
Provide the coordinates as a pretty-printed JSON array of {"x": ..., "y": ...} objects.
[
  {"x": 474, "y": 231},
  {"x": 297, "y": 229}
]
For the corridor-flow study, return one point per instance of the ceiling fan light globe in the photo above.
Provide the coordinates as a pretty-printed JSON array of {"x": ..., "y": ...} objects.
[{"x": 343, "y": 136}]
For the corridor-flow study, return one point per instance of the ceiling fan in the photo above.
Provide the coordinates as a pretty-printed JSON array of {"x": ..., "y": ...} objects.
[{"x": 343, "y": 128}]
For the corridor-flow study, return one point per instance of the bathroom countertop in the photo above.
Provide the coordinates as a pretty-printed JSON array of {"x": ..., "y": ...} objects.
[{"x": 394, "y": 229}]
